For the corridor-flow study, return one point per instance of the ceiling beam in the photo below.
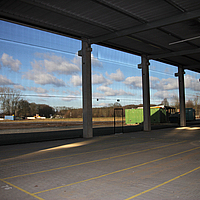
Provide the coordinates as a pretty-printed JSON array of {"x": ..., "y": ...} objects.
[
  {"x": 173, "y": 54},
  {"x": 194, "y": 67},
  {"x": 38, "y": 25},
  {"x": 148, "y": 26},
  {"x": 57, "y": 10},
  {"x": 172, "y": 3},
  {"x": 119, "y": 9}
]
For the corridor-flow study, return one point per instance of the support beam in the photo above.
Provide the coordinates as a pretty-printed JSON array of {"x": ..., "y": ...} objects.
[
  {"x": 146, "y": 93},
  {"x": 173, "y": 54},
  {"x": 195, "y": 68},
  {"x": 119, "y": 9},
  {"x": 148, "y": 26},
  {"x": 180, "y": 75},
  {"x": 53, "y": 8},
  {"x": 86, "y": 89}
]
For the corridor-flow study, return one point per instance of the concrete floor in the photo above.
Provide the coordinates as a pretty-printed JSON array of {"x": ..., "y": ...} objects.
[{"x": 161, "y": 164}]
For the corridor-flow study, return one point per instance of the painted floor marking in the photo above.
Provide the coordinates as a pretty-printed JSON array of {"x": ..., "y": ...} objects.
[
  {"x": 93, "y": 161},
  {"x": 31, "y": 194},
  {"x": 153, "y": 188},
  {"x": 118, "y": 171}
]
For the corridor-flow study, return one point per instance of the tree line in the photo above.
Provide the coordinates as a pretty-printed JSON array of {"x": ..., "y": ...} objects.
[{"x": 12, "y": 103}]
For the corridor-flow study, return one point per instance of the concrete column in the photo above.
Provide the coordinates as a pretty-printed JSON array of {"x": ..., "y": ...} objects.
[
  {"x": 146, "y": 92},
  {"x": 86, "y": 89},
  {"x": 182, "y": 96}
]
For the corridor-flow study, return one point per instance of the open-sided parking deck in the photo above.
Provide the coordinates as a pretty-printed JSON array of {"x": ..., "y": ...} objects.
[{"x": 161, "y": 164}]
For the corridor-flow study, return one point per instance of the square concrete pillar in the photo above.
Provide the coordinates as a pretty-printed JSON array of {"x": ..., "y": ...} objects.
[
  {"x": 86, "y": 89},
  {"x": 180, "y": 75},
  {"x": 146, "y": 93}
]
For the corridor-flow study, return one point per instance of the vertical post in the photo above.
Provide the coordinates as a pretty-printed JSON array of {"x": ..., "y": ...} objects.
[
  {"x": 122, "y": 119},
  {"x": 181, "y": 96},
  {"x": 87, "y": 89},
  {"x": 114, "y": 120},
  {"x": 146, "y": 92}
]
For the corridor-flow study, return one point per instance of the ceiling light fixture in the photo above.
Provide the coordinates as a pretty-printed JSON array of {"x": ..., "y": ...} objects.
[{"x": 193, "y": 38}]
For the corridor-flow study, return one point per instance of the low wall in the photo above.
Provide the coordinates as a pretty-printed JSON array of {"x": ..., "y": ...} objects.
[{"x": 27, "y": 137}]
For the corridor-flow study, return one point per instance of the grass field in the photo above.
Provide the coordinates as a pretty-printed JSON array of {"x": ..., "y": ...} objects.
[
  {"x": 68, "y": 122},
  {"x": 96, "y": 119}
]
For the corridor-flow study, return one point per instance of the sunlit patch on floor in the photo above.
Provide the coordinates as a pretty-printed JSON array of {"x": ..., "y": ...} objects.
[{"x": 188, "y": 128}]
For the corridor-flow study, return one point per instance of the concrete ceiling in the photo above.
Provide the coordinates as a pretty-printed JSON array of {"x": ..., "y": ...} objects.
[{"x": 164, "y": 30}]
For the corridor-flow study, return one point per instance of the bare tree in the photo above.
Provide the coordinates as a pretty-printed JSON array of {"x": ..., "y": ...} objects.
[
  {"x": 23, "y": 108},
  {"x": 165, "y": 102},
  {"x": 9, "y": 99},
  {"x": 189, "y": 104},
  {"x": 176, "y": 102}
]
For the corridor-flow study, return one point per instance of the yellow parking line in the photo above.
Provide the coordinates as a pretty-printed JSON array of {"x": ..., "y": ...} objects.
[
  {"x": 93, "y": 161},
  {"x": 77, "y": 154},
  {"x": 162, "y": 184},
  {"x": 31, "y": 194},
  {"x": 118, "y": 171}
]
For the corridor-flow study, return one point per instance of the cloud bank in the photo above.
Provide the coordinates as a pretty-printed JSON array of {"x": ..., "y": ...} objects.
[
  {"x": 10, "y": 63},
  {"x": 118, "y": 76},
  {"x": 5, "y": 81},
  {"x": 39, "y": 75}
]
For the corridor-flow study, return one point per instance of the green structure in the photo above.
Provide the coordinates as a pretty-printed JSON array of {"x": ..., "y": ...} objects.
[
  {"x": 135, "y": 116},
  {"x": 190, "y": 114}
]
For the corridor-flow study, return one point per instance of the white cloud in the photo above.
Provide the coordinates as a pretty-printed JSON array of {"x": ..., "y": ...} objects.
[
  {"x": 192, "y": 83},
  {"x": 99, "y": 104},
  {"x": 53, "y": 63},
  {"x": 167, "y": 84},
  {"x": 107, "y": 90},
  {"x": 19, "y": 87},
  {"x": 76, "y": 92},
  {"x": 42, "y": 70},
  {"x": 9, "y": 62},
  {"x": 122, "y": 92},
  {"x": 155, "y": 83},
  {"x": 160, "y": 94},
  {"x": 54, "y": 90},
  {"x": 44, "y": 79},
  {"x": 61, "y": 67},
  {"x": 98, "y": 95},
  {"x": 100, "y": 79},
  {"x": 43, "y": 95},
  {"x": 152, "y": 78},
  {"x": 38, "y": 90},
  {"x": 77, "y": 61},
  {"x": 110, "y": 92},
  {"x": 76, "y": 80},
  {"x": 69, "y": 98},
  {"x": 164, "y": 94},
  {"x": 133, "y": 82},
  {"x": 95, "y": 62},
  {"x": 103, "y": 104},
  {"x": 39, "y": 76},
  {"x": 118, "y": 76},
  {"x": 5, "y": 81}
]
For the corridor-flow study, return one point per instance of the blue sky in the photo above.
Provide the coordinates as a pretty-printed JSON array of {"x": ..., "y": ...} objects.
[{"x": 46, "y": 69}]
